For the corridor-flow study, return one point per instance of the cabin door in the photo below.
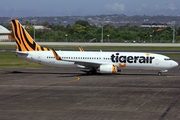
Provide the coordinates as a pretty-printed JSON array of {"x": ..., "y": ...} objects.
[{"x": 157, "y": 62}]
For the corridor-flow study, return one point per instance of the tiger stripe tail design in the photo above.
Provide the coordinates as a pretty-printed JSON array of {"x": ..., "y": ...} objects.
[{"x": 24, "y": 41}]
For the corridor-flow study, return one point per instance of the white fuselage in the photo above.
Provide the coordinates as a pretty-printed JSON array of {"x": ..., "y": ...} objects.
[{"x": 123, "y": 60}]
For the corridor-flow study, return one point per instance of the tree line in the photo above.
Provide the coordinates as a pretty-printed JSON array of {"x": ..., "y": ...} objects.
[{"x": 84, "y": 31}]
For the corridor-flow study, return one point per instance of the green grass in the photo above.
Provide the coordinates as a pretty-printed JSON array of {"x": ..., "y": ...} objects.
[
  {"x": 8, "y": 47},
  {"x": 9, "y": 60}
]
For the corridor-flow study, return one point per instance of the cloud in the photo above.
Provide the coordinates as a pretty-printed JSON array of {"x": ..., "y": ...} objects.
[
  {"x": 143, "y": 5},
  {"x": 171, "y": 5},
  {"x": 6, "y": 8},
  {"x": 115, "y": 7},
  {"x": 141, "y": 8},
  {"x": 166, "y": 5}
]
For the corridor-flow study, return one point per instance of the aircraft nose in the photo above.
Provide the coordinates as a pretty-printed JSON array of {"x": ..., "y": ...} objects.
[{"x": 174, "y": 64}]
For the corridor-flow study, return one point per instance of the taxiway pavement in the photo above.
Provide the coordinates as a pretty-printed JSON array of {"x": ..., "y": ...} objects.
[{"x": 69, "y": 94}]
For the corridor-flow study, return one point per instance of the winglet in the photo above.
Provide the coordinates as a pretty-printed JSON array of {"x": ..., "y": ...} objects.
[
  {"x": 56, "y": 55},
  {"x": 81, "y": 49}
]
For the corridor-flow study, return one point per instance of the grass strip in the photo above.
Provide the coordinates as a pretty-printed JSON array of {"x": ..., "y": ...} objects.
[{"x": 9, "y": 60}]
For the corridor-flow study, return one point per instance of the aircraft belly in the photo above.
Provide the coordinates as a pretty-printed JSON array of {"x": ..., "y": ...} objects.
[
  {"x": 57, "y": 63},
  {"x": 64, "y": 63}
]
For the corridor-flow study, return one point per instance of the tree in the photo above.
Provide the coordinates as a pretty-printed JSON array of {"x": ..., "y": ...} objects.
[
  {"x": 79, "y": 29},
  {"x": 30, "y": 29},
  {"x": 107, "y": 30},
  {"x": 68, "y": 26},
  {"x": 45, "y": 24},
  {"x": 82, "y": 22},
  {"x": 165, "y": 35},
  {"x": 143, "y": 35}
]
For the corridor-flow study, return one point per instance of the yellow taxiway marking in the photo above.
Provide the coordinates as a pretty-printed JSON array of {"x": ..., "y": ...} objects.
[{"x": 78, "y": 78}]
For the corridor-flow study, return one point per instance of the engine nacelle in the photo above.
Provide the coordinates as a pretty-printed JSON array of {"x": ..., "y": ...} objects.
[{"x": 108, "y": 68}]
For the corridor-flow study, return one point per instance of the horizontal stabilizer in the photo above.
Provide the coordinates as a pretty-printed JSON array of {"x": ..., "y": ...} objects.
[{"x": 23, "y": 53}]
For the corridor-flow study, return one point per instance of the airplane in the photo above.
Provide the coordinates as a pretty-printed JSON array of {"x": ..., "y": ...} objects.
[{"x": 103, "y": 62}]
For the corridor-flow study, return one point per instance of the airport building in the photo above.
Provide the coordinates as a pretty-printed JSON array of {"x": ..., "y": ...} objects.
[
  {"x": 39, "y": 27},
  {"x": 154, "y": 25},
  {"x": 5, "y": 34}
]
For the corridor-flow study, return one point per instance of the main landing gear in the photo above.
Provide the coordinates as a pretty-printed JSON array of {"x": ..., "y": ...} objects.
[
  {"x": 92, "y": 72},
  {"x": 159, "y": 73}
]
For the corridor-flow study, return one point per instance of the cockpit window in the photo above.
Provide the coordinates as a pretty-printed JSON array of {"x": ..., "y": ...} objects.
[{"x": 167, "y": 59}]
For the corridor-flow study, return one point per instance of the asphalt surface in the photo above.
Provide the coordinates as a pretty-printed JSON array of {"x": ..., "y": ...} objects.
[{"x": 69, "y": 94}]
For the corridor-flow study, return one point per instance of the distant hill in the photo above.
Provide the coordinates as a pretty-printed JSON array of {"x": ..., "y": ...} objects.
[{"x": 115, "y": 20}]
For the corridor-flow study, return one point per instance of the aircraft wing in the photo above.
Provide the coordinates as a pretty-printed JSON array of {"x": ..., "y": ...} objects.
[{"x": 83, "y": 63}]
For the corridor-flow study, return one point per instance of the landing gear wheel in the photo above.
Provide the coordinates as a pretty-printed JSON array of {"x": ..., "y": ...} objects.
[
  {"x": 89, "y": 72},
  {"x": 159, "y": 73},
  {"x": 92, "y": 72}
]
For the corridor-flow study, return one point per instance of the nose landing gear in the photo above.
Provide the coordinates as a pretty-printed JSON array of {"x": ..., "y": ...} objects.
[{"x": 159, "y": 73}]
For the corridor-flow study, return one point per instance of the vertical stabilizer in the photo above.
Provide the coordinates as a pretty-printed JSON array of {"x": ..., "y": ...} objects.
[{"x": 24, "y": 41}]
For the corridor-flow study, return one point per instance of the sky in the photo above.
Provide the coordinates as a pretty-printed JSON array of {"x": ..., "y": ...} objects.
[{"x": 38, "y": 8}]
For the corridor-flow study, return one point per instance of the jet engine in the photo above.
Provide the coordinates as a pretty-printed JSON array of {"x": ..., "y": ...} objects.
[{"x": 108, "y": 69}]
